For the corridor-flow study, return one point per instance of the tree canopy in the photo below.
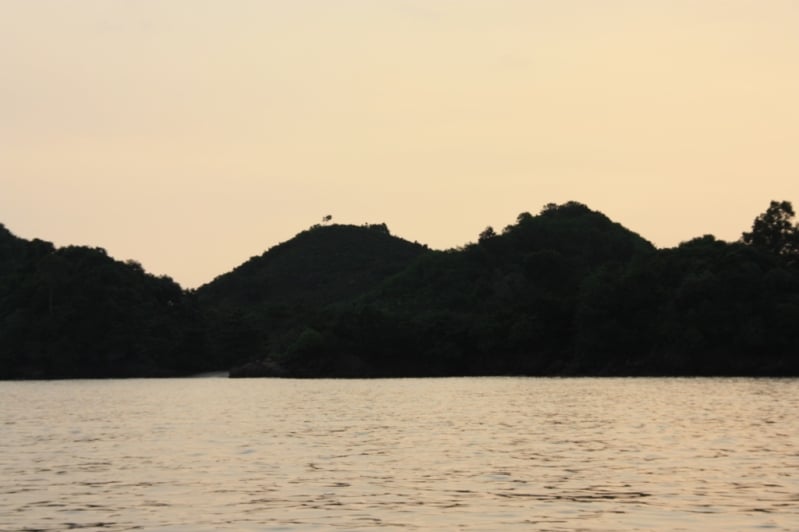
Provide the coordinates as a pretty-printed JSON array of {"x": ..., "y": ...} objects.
[
  {"x": 774, "y": 232},
  {"x": 564, "y": 292}
]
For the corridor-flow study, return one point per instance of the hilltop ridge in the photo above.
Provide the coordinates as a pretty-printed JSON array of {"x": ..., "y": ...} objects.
[
  {"x": 319, "y": 266},
  {"x": 564, "y": 292}
]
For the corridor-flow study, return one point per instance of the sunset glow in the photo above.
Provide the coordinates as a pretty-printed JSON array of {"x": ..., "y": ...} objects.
[{"x": 191, "y": 135}]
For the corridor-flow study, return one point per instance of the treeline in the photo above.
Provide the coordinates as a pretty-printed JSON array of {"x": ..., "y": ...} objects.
[
  {"x": 75, "y": 312},
  {"x": 566, "y": 292},
  {"x": 563, "y": 292}
]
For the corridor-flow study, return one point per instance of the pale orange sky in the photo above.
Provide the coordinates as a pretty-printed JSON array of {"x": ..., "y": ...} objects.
[{"x": 192, "y": 134}]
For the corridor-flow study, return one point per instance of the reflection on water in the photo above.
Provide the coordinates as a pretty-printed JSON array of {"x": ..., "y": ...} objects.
[{"x": 471, "y": 454}]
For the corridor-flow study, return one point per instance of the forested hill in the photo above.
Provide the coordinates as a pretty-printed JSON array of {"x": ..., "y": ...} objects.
[
  {"x": 505, "y": 304},
  {"x": 320, "y": 266},
  {"x": 75, "y": 312},
  {"x": 564, "y": 292},
  {"x": 261, "y": 307}
]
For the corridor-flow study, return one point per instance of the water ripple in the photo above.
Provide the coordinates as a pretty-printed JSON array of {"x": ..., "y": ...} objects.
[{"x": 467, "y": 454}]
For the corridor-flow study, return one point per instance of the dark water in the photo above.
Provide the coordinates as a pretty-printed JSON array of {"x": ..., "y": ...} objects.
[{"x": 447, "y": 454}]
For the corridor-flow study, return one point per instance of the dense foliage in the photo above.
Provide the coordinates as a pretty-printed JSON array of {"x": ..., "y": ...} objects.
[
  {"x": 75, "y": 312},
  {"x": 563, "y": 292},
  {"x": 566, "y": 292},
  {"x": 262, "y": 307}
]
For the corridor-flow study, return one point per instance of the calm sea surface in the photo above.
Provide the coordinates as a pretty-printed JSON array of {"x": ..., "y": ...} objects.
[{"x": 416, "y": 454}]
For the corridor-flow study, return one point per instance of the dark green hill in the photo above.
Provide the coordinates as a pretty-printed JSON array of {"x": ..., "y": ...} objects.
[
  {"x": 565, "y": 292},
  {"x": 503, "y": 305},
  {"x": 75, "y": 312},
  {"x": 262, "y": 306},
  {"x": 544, "y": 256},
  {"x": 320, "y": 266}
]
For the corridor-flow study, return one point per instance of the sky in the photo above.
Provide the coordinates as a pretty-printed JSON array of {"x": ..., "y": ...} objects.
[{"x": 190, "y": 135}]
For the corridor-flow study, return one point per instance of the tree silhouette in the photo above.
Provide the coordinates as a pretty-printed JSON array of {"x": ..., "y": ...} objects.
[
  {"x": 487, "y": 233},
  {"x": 773, "y": 231}
]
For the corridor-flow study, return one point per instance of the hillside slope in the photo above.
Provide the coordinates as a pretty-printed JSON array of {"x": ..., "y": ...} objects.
[
  {"x": 503, "y": 305},
  {"x": 565, "y": 292},
  {"x": 261, "y": 306},
  {"x": 319, "y": 266},
  {"x": 74, "y": 312}
]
